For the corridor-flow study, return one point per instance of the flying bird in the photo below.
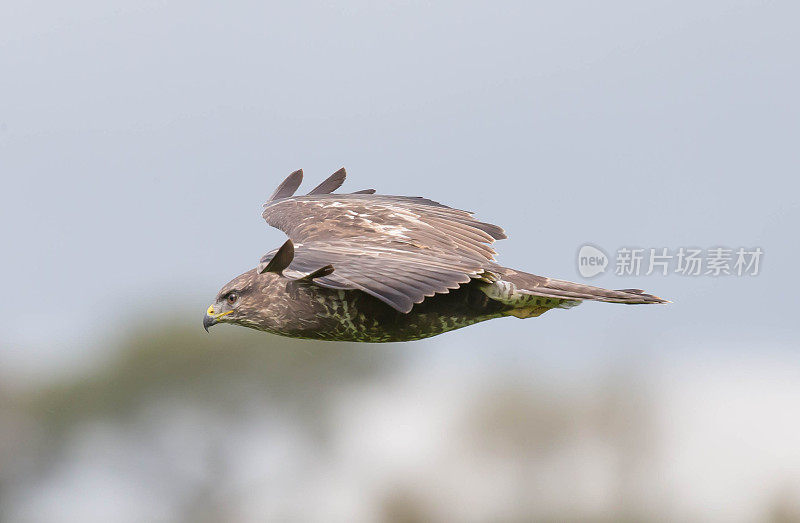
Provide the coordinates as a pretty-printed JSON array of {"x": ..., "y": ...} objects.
[{"x": 376, "y": 268}]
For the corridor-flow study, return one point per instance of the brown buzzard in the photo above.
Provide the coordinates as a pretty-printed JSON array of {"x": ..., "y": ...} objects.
[{"x": 375, "y": 268}]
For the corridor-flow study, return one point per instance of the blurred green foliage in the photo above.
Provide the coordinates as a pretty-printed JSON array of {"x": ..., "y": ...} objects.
[
  {"x": 181, "y": 360},
  {"x": 125, "y": 409}
]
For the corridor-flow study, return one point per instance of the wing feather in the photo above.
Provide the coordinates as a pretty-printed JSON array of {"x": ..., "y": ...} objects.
[
  {"x": 331, "y": 183},
  {"x": 288, "y": 186},
  {"x": 400, "y": 249}
]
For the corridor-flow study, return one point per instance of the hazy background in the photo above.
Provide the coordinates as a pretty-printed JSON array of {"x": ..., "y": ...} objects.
[{"x": 138, "y": 140}]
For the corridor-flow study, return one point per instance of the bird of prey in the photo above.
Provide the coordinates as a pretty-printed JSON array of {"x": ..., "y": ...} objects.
[{"x": 376, "y": 268}]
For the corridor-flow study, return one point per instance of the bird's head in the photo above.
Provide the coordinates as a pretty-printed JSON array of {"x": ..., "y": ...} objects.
[
  {"x": 236, "y": 302},
  {"x": 241, "y": 300}
]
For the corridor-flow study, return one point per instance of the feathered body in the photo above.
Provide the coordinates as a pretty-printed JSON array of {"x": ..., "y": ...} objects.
[
  {"x": 376, "y": 268},
  {"x": 305, "y": 310}
]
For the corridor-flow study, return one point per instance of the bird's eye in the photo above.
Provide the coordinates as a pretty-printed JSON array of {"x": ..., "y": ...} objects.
[{"x": 232, "y": 298}]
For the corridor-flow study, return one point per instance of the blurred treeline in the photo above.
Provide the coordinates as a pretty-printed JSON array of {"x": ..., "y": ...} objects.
[{"x": 178, "y": 425}]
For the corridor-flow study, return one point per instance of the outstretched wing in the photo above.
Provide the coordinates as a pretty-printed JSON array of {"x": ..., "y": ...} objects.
[{"x": 399, "y": 249}]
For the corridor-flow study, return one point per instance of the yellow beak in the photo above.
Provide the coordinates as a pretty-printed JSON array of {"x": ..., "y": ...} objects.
[{"x": 212, "y": 318}]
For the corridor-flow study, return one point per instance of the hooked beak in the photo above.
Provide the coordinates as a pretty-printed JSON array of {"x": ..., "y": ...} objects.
[{"x": 211, "y": 318}]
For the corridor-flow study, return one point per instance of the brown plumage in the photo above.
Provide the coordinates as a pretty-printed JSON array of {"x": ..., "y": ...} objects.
[{"x": 370, "y": 267}]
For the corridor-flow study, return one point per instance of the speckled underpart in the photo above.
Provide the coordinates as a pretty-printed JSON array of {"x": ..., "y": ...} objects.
[
  {"x": 521, "y": 303},
  {"x": 306, "y": 310},
  {"x": 302, "y": 309}
]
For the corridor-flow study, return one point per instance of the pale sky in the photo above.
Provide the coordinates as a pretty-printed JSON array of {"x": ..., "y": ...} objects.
[{"x": 138, "y": 142}]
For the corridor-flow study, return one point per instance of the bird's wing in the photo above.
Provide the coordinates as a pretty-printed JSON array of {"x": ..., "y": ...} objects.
[{"x": 399, "y": 249}]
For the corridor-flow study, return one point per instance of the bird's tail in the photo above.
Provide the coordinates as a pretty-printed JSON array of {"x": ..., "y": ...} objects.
[
  {"x": 527, "y": 295},
  {"x": 560, "y": 289}
]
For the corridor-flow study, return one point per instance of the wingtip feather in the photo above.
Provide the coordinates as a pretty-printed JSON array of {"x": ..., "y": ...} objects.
[
  {"x": 331, "y": 183},
  {"x": 288, "y": 186}
]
